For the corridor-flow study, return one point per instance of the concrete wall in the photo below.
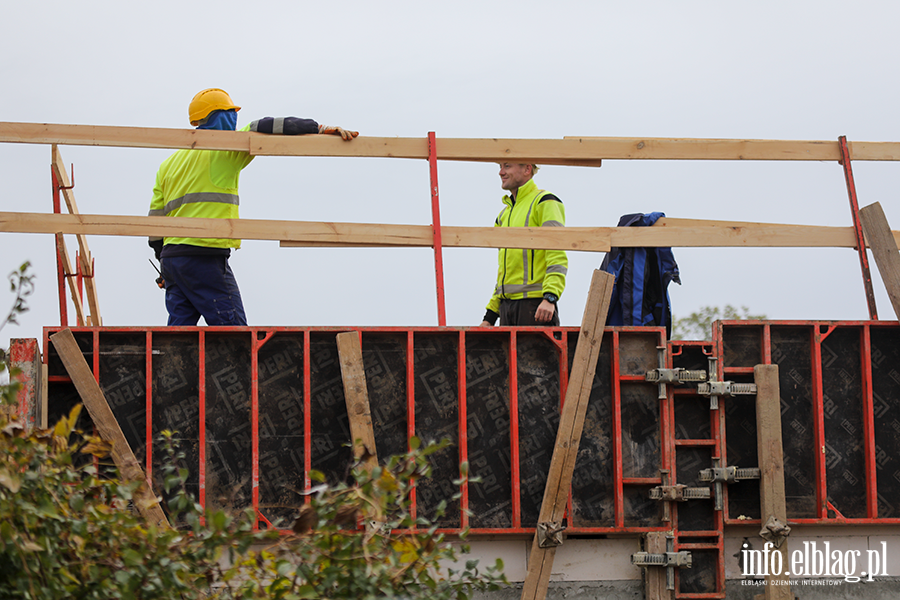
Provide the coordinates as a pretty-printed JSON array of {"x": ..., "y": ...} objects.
[{"x": 601, "y": 568}]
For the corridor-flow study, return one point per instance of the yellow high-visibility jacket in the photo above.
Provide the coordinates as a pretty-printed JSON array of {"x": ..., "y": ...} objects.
[
  {"x": 530, "y": 273},
  {"x": 200, "y": 184}
]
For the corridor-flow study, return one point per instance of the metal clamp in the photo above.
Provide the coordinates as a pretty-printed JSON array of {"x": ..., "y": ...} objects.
[
  {"x": 675, "y": 493},
  {"x": 662, "y": 376},
  {"x": 679, "y": 493},
  {"x": 722, "y": 475},
  {"x": 668, "y": 560},
  {"x": 549, "y": 534},
  {"x": 714, "y": 388},
  {"x": 775, "y": 531}
]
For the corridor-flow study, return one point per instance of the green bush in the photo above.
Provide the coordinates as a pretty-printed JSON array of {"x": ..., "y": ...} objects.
[
  {"x": 68, "y": 528},
  {"x": 66, "y": 531}
]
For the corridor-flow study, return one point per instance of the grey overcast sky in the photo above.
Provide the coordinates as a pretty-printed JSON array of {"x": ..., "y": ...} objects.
[{"x": 808, "y": 69}]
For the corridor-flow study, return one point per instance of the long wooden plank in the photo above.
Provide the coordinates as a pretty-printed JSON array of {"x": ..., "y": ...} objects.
[
  {"x": 568, "y": 436},
  {"x": 570, "y": 150},
  {"x": 771, "y": 469},
  {"x": 884, "y": 249},
  {"x": 357, "y": 398},
  {"x": 106, "y": 424},
  {"x": 305, "y": 233},
  {"x": 354, "y": 234},
  {"x": 124, "y": 137},
  {"x": 87, "y": 263}
]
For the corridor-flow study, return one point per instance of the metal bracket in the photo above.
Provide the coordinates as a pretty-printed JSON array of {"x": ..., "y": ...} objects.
[
  {"x": 675, "y": 493},
  {"x": 662, "y": 375},
  {"x": 775, "y": 531},
  {"x": 669, "y": 560},
  {"x": 69, "y": 187},
  {"x": 549, "y": 534},
  {"x": 714, "y": 388},
  {"x": 679, "y": 493},
  {"x": 722, "y": 475}
]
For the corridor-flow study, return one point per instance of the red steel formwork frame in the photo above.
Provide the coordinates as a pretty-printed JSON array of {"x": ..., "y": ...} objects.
[
  {"x": 259, "y": 336},
  {"x": 623, "y": 371},
  {"x": 709, "y": 540},
  {"x": 818, "y": 332}
]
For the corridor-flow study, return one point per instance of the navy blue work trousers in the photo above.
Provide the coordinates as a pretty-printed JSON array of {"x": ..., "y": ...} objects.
[
  {"x": 202, "y": 286},
  {"x": 520, "y": 313}
]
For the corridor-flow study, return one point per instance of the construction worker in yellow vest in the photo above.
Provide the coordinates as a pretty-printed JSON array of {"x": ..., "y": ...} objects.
[
  {"x": 529, "y": 282},
  {"x": 204, "y": 184}
]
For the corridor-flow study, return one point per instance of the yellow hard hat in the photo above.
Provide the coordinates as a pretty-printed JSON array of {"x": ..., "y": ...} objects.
[{"x": 207, "y": 101}]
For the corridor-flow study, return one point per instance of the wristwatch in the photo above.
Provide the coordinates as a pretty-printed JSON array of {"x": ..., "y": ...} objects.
[{"x": 551, "y": 298}]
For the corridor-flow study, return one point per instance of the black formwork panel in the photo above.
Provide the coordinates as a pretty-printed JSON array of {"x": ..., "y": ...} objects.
[
  {"x": 330, "y": 450},
  {"x": 281, "y": 427},
  {"x": 62, "y": 395},
  {"x": 791, "y": 349},
  {"x": 203, "y": 383},
  {"x": 593, "y": 492},
  {"x": 696, "y": 514},
  {"x": 885, "y": 359},
  {"x": 701, "y": 577},
  {"x": 384, "y": 359},
  {"x": 538, "y": 387},
  {"x": 229, "y": 440},
  {"x": 640, "y": 510},
  {"x": 175, "y": 388},
  {"x": 742, "y": 451},
  {"x": 436, "y": 368},
  {"x": 792, "y": 352},
  {"x": 640, "y": 430},
  {"x": 842, "y": 409},
  {"x": 692, "y": 414},
  {"x": 488, "y": 430}
]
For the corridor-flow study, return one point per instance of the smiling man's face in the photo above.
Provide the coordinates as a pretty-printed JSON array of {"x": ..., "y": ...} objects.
[{"x": 514, "y": 175}]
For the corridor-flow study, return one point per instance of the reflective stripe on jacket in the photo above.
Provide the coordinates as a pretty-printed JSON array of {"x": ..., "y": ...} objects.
[
  {"x": 530, "y": 273},
  {"x": 200, "y": 184}
]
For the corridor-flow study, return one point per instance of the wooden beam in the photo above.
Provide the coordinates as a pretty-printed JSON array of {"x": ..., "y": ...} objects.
[
  {"x": 107, "y": 426},
  {"x": 85, "y": 258},
  {"x": 124, "y": 137},
  {"x": 731, "y": 149},
  {"x": 352, "y": 234},
  {"x": 573, "y": 150},
  {"x": 304, "y": 233},
  {"x": 568, "y": 436},
  {"x": 884, "y": 249},
  {"x": 771, "y": 469},
  {"x": 655, "y": 577},
  {"x": 357, "y": 398}
]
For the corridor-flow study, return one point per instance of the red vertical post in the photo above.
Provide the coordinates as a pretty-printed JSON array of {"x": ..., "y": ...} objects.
[
  {"x": 411, "y": 411},
  {"x": 148, "y": 386},
  {"x": 860, "y": 240},
  {"x": 307, "y": 419},
  {"x": 516, "y": 485},
  {"x": 618, "y": 473},
  {"x": 463, "y": 432},
  {"x": 436, "y": 227},
  {"x": 201, "y": 417},
  {"x": 821, "y": 468},
  {"x": 60, "y": 271},
  {"x": 254, "y": 425},
  {"x": 869, "y": 424}
]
